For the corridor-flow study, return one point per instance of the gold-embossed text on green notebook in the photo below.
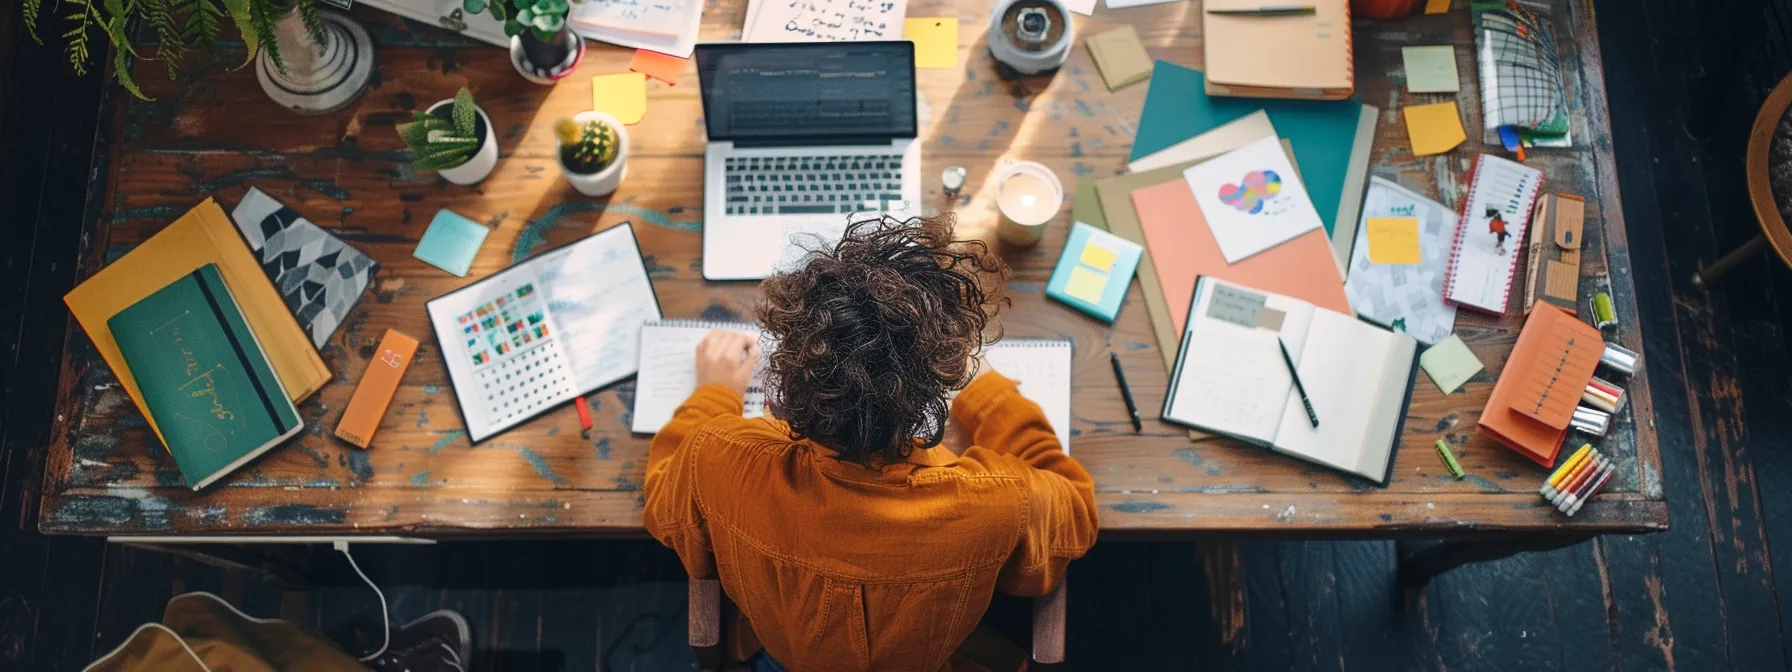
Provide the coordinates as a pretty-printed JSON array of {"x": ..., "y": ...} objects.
[{"x": 204, "y": 376}]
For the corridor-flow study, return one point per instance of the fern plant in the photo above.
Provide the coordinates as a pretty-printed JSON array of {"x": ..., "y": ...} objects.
[
  {"x": 543, "y": 18},
  {"x": 179, "y": 25},
  {"x": 438, "y": 143},
  {"x": 586, "y": 148}
]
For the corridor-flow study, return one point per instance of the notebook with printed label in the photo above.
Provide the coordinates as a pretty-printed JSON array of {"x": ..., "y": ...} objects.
[
  {"x": 1231, "y": 378},
  {"x": 548, "y": 329},
  {"x": 1490, "y": 238}
]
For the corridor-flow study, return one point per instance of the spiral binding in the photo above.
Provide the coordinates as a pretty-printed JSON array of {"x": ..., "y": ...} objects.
[{"x": 1519, "y": 239}]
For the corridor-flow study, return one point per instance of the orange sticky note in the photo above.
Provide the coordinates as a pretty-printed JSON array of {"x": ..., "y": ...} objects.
[
  {"x": 664, "y": 67},
  {"x": 936, "y": 41},
  {"x": 1437, "y": 6},
  {"x": 623, "y": 96},
  {"x": 1434, "y": 129}
]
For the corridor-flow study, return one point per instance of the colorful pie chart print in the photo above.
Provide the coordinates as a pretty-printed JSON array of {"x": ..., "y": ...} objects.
[{"x": 1258, "y": 186}]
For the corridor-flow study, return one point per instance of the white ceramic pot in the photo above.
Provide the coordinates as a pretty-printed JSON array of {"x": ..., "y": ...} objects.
[
  {"x": 602, "y": 182},
  {"x": 483, "y": 161}
]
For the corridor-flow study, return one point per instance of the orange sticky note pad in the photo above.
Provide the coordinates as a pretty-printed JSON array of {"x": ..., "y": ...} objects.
[
  {"x": 1434, "y": 129},
  {"x": 1437, "y": 6},
  {"x": 623, "y": 96},
  {"x": 936, "y": 41},
  {"x": 664, "y": 67},
  {"x": 1393, "y": 240}
]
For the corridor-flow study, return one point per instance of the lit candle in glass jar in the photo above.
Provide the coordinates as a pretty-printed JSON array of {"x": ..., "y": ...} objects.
[{"x": 1028, "y": 196}]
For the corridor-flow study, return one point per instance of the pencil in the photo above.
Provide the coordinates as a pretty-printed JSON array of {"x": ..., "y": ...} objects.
[{"x": 1550, "y": 486}]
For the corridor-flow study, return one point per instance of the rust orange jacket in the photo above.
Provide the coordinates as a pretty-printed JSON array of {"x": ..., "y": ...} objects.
[{"x": 842, "y": 567}]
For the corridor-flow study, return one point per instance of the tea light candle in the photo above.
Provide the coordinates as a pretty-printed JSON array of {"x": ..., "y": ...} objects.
[{"x": 1028, "y": 195}]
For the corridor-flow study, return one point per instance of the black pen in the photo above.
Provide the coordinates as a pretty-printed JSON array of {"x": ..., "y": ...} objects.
[
  {"x": 1302, "y": 389},
  {"x": 1126, "y": 393}
]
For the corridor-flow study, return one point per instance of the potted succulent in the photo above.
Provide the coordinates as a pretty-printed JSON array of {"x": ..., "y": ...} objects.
[
  {"x": 593, "y": 152},
  {"x": 453, "y": 138},
  {"x": 542, "y": 48}
]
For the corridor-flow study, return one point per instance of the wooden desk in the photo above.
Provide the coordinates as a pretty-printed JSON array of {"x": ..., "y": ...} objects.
[{"x": 347, "y": 171}]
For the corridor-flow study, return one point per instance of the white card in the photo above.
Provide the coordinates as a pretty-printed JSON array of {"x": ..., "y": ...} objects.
[{"x": 1252, "y": 199}]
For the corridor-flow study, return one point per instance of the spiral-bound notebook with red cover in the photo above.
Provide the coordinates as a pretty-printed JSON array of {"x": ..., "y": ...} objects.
[{"x": 1491, "y": 236}]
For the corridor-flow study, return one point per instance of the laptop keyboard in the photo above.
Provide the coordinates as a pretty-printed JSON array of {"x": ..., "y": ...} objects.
[{"x": 809, "y": 185}]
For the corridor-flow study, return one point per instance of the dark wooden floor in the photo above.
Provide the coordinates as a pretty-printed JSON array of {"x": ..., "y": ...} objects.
[{"x": 1685, "y": 78}]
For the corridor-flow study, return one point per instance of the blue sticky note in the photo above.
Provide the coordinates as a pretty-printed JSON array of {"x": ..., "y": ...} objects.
[
  {"x": 1330, "y": 139},
  {"x": 451, "y": 242},
  {"x": 1094, "y": 271}
]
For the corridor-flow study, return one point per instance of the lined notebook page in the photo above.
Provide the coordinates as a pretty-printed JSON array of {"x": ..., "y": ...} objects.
[
  {"x": 669, "y": 371},
  {"x": 1042, "y": 368}
]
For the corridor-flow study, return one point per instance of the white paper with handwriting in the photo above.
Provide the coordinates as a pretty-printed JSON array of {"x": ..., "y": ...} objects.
[{"x": 823, "y": 20}]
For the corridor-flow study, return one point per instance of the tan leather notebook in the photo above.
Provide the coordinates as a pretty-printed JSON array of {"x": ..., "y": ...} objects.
[{"x": 1279, "y": 56}]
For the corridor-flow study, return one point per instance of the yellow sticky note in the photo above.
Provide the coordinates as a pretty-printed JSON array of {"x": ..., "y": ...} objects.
[
  {"x": 936, "y": 41},
  {"x": 1098, "y": 257},
  {"x": 1434, "y": 129},
  {"x": 622, "y": 96},
  {"x": 1393, "y": 240},
  {"x": 1086, "y": 284},
  {"x": 1436, "y": 6}
]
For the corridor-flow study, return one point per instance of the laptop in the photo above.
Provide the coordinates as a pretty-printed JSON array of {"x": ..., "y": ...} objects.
[{"x": 803, "y": 139}]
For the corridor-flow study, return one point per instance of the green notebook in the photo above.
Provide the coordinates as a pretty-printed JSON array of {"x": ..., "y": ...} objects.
[{"x": 204, "y": 376}]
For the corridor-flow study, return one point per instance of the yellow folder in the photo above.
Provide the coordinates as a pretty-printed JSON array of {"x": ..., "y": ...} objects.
[{"x": 202, "y": 236}]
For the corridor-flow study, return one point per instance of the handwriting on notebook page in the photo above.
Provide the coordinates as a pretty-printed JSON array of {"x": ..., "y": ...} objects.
[
  {"x": 825, "y": 20},
  {"x": 647, "y": 16}
]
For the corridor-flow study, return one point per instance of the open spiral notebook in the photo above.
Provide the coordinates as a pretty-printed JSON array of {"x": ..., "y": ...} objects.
[{"x": 669, "y": 373}]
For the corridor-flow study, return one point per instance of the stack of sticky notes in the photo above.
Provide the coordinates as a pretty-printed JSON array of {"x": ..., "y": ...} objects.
[
  {"x": 451, "y": 242},
  {"x": 1094, "y": 271},
  {"x": 1450, "y": 363},
  {"x": 1578, "y": 479},
  {"x": 1121, "y": 57}
]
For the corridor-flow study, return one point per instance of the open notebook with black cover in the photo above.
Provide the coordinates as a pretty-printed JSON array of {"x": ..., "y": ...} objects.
[{"x": 1230, "y": 378}]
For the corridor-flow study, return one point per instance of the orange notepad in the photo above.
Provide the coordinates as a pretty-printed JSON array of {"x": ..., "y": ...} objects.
[
  {"x": 1179, "y": 238},
  {"x": 1279, "y": 56},
  {"x": 1550, "y": 366}
]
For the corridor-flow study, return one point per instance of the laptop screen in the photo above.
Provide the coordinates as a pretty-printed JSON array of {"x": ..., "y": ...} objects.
[{"x": 815, "y": 91}]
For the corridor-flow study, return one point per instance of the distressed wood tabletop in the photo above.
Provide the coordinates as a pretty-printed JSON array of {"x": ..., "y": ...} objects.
[{"x": 218, "y": 135}]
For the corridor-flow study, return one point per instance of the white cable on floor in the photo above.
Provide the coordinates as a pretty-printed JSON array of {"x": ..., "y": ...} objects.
[{"x": 385, "y": 621}]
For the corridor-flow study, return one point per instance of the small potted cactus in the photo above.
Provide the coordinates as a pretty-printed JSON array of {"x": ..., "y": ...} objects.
[
  {"x": 593, "y": 152},
  {"x": 453, "y": 138}
]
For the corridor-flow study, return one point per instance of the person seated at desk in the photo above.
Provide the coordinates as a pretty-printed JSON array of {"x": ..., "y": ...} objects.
[{"x": 848, "y": 538}]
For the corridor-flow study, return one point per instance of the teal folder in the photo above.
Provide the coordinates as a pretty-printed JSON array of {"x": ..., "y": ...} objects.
[{"x": 1331, "y": 138}]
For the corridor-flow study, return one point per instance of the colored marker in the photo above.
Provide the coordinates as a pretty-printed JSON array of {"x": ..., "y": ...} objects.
[
  {"x": 1580, "y": 496},
  {"x": 1580, "y": 480},
  {"x": 1596, "y": 487},
  {"x": 1443, "y": 451},
  {"x": 584, "y": 416},
  {"x": 1574, "y": 480},
  {"x": 1551, "y": 486}
]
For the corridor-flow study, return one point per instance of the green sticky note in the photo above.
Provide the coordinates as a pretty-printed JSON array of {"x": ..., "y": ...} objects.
[
  {"x": 451, "y": 242},
  {"x": 1450, "y": 363},
  {"x": 1430, "y": 69}
]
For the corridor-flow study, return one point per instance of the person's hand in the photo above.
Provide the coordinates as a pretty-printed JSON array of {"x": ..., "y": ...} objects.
[{"x": 727, "y": 358}]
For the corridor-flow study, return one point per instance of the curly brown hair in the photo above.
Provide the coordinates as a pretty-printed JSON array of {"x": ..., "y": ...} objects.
[{"x": 875, "y": 332}]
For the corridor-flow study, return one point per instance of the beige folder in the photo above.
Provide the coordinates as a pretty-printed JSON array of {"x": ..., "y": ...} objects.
[{"x": 1281, "y": 56}]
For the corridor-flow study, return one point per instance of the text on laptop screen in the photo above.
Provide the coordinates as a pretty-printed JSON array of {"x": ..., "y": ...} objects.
[{"x": 804, "y": 92}]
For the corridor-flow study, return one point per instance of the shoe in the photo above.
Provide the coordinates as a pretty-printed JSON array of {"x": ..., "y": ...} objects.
[{"x": 437, "y": 642}]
